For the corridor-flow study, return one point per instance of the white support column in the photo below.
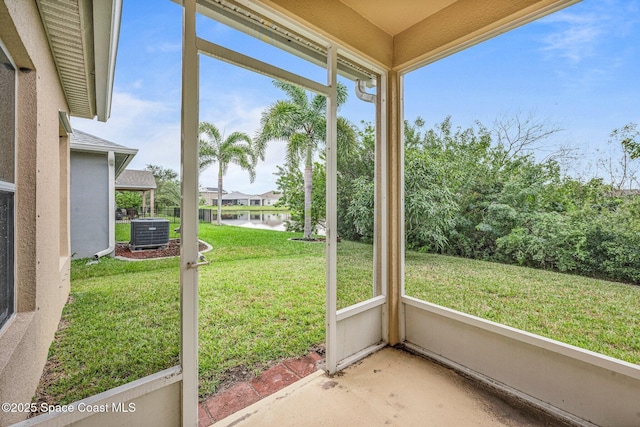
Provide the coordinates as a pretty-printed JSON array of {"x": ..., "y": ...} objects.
[
  {"x": 332, "y": 217},
  {"x": 144, "y": 204},
  {"x": 189, "y": 218}
]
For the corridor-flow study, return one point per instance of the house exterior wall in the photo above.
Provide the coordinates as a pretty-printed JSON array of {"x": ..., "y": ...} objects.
[
  {"x": 89, "y": 204},
  {"x": 210, "y": 198},
  {"x": 41, "y": 256}
]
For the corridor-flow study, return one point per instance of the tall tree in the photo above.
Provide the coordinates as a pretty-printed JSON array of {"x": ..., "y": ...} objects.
[
  {"x": 237, "y": 148},
  {"x": 301, "y": 121},
  {"x": 167, "y": 186}
]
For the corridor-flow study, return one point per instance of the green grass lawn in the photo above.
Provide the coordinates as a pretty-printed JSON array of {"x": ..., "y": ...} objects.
[
  {"x": 262, "y": 299},
  {"x": 597, "y": 315}
]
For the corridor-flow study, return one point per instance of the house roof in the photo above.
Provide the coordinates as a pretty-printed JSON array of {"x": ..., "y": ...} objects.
[
  {"x": 236, "y": 195},
  {"x": 84, "y": 142},
  {"x": 83, "y": 36},
  {"x": 80, "y": 139},
  {"x": 211, "y": 190},
  {"x": 131, "y": 179}
]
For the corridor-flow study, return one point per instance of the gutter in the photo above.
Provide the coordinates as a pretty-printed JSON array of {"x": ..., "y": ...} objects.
[
  {"x": 112, "y": 207},
  {"x": 362, "y": 94},
  {"x": 107, "y": 16}
]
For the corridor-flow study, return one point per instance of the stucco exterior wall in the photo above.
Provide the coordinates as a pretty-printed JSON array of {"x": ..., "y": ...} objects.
[
  {"x": 89, "y": 204},
  {"x": 42, "y": 256}
]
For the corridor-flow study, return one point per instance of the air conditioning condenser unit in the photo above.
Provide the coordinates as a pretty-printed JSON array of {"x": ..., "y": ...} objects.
[{"x": 149, "y": 233}]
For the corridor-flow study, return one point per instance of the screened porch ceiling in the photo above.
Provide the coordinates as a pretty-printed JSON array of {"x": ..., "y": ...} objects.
[{"x": 400, "y": 34}]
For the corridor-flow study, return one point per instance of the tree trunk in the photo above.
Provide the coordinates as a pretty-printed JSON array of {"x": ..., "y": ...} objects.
[
  {"x": 308, "y": 187},
  {"x": 219, "y": 217}
]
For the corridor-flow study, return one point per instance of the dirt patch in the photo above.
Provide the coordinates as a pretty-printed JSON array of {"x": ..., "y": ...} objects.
[
  {"x": 52, "y": 371},
  {"x": 318, "y": 348},
  {"x": 234, "y": 376},
  {"x": 172, "y": 249},
  {"x": 243, "y": 373}
]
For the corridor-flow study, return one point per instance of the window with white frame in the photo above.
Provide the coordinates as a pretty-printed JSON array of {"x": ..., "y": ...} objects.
[{"x": 7, "y": 185}]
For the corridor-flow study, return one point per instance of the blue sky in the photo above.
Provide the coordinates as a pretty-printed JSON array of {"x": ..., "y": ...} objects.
[{"x": 578, "y": 70}]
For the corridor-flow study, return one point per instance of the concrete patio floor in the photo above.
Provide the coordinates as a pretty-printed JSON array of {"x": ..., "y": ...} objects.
[{"x": 388, "y": 388}]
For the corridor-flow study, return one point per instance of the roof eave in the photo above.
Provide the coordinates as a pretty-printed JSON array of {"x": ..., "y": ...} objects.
[
  {"x": 125, "y": 187},
  {"x": 125, "y": 160},
  {"x": 84, "y": 49},
  {"x": 89, "y": 148}
]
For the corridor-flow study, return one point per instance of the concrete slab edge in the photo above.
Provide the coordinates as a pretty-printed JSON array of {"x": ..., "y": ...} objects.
[{"x": 263, "y": 404}]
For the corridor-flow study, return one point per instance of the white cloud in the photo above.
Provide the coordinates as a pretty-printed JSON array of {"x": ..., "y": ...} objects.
[
  {"x": 575, "y": 37},
  {"x": 151, "y": 127},
  {"x": 164, "y": 48},
  {"x": 154, "y": 129},
  {"x": 231, "y": 112}
]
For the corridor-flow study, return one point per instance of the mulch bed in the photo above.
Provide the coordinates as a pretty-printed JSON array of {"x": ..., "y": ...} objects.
[
  {"x": 315, "y": 239},
  {"x": 172, "y": 249}
]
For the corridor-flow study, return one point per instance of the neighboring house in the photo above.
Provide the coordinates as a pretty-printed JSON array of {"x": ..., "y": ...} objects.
[
  {"x": 237, "y": 198},
  {"x": 240, "y": 199},
  {"x": 210, "y": 195},
  {"x": 141, "y": 181},
  {"x": 58, "y": 60},
  {"x": 95, "y": 166},
  {"x": 270, "y": 198}
]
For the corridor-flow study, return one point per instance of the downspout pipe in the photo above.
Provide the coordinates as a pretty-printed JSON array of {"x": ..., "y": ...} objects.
[
  {"x": 362, "y": 94},
  {"x": 111, "y": 160}
]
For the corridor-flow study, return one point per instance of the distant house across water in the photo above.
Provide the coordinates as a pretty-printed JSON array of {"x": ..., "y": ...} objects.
[
  {"x": 270, "y": 198},
  {"x": 210, "y": 195},
  {"x": 237, "y": 198}
]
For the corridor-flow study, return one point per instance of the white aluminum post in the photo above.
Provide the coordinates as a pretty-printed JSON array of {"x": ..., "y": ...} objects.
[
  {"x": 332, "y": 159},
  {"x": 189, "y": 218},
  {"x": 402, "y": 252},
  {"x": 382, "y": 223}
]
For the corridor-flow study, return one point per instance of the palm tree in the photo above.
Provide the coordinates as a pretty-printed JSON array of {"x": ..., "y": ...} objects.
[
  {"x": 237, "y": 148},
  {"x": 301, "y": 121}
]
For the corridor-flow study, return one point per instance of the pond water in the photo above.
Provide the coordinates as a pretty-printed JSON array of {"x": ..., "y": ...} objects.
[{"x": 268, "y": 220}]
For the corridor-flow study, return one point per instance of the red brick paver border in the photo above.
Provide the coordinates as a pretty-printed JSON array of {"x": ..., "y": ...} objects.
[
  {"x": 273, "y": 379},
  {"x": 241, "y": 395},
  {"x": 304, "y": 365}
]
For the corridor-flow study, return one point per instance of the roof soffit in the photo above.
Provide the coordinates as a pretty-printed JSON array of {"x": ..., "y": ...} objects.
[
  {"x": 68, "y": 24},
  {"x": 408, "y": 33},
  {"x": 393, "y": 19},
  {"x": 464, "y": 23},
  {"x": 83, "y": 37},
  {"x": 336, "y": 21}
]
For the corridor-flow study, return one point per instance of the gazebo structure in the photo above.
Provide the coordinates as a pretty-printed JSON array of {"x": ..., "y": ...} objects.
[
  {"x": 142, "y": 181},
  {"x": 374, "y": 43}
]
